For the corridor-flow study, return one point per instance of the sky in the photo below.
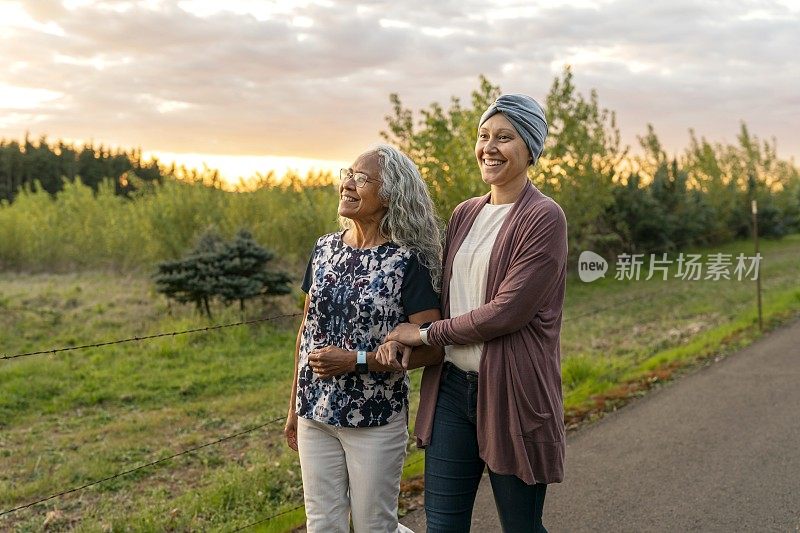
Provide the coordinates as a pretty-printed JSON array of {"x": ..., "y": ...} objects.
[{"x": 248, "y": 86}]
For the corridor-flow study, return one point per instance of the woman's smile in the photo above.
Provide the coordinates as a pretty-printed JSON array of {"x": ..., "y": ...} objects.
[{"x": 492, "y": 162}]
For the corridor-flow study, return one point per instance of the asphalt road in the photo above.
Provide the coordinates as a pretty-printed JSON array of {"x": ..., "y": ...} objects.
[{"x": 716, "y": 450}]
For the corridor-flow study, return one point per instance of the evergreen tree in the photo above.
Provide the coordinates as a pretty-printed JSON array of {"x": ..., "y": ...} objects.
[
  {"x": 231, "y": 271},
  {"x": 243, "y": 274},
  {"x": 42, "y": 165},
  {"x": 196, "y": 277},
  {"x": 637, "y": 218}
]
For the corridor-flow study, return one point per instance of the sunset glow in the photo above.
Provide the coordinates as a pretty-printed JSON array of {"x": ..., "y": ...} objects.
[{"x": 233, "y": 169}]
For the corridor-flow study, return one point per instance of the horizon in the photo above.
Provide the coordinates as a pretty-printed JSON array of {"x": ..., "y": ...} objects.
[{"x": 241, "y": 171}]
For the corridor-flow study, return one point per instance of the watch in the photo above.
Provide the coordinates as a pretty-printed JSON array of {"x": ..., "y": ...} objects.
[
  {"x": 361, "y": 362},
  {"x": 423, "y": 332}
]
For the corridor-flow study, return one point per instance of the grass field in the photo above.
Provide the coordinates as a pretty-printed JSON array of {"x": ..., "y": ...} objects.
[{"x": 69, "y": 418}]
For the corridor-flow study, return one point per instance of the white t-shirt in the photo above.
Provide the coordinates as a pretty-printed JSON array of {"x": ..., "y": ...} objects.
[{"x": 468, "y": 280}]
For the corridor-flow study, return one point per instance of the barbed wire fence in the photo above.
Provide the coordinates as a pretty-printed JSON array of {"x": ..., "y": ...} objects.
[
  {"x": 141, "y": 467},
  {"x": 268, "y": 518},
  {"x": 53, "y": 351}
]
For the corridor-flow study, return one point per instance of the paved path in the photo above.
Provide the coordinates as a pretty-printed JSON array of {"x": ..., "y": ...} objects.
[{"x": 717, "y": 450}]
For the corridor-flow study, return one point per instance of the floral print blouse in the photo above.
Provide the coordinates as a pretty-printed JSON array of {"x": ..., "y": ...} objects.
[{"x": 357, "y": 296}]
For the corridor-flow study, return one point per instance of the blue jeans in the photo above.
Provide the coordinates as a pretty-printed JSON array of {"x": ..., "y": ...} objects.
[{"x": 453, "y": 468}]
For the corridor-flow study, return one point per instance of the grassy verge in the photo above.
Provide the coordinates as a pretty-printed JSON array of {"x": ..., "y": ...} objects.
[
  {"x": 651, "y": 329},
  {"x": 73, "y": 417}
]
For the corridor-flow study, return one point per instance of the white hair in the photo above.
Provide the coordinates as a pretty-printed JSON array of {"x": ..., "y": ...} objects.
[{"x": 411, "y": 219}]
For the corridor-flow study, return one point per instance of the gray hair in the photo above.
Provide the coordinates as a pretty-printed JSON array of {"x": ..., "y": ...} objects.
[{"x": 411, "y": 220}]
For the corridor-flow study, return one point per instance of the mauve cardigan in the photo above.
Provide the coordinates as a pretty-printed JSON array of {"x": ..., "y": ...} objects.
[{"x": 520, "y": 415}]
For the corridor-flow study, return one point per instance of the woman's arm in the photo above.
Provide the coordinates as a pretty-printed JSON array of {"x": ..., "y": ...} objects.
[
  {"x": 532, "y": 278},
  {"x": 332, "y": 361},
  {"x": 410, "y": 358},
  {"x": 424, "y": 355},
  {"x": 290, "y": 428}
]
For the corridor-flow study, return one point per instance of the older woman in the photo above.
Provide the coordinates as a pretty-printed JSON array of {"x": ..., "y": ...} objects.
[
  {"x": 496, "y": 401},
  {"x": 349, "y": 403}
]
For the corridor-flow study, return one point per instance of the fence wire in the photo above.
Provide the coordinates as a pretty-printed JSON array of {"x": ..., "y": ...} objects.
[
  {"x": 146, "y": 337},
  {"x": 140, "y": 467},
  {"x": 267, "y": 519},
  {"x": 254, "y": 321}
]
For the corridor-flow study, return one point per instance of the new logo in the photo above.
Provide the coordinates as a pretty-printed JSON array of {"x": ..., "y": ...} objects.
[{"x": 591, "y": 266}]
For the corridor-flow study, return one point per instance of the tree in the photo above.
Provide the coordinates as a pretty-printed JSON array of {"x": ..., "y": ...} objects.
[
  {"x": 637, "y": 218},
  {"x": 230, "y": 271},
  {"x": 194, "y": 278},
  {"x": 442, "y": 144},
  {"x": 731, "y": 176},
  {"x": 581, "y": 163},
  {"x": 243, "y": 274},
  {"x": 48, "y": 166}
]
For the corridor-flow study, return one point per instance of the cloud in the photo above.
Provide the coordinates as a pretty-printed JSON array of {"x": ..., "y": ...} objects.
[{"x": 312, "y": 79}]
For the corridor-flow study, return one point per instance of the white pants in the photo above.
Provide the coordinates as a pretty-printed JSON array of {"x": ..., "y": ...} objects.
[{"x": 352, "y": 471}]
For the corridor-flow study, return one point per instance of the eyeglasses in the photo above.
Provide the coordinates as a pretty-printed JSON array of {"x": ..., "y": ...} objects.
[{"x": 361, "y": 178}]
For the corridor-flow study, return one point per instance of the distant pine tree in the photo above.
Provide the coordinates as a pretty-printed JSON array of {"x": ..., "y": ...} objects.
[
  {"x": 42, "y": 165},
  {"x": 231, "y": 271},
  {"x": 243, "y": 274},
  {"x": 194, "y": 278}
]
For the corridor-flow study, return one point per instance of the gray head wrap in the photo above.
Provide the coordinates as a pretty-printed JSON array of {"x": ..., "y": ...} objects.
[{"x": 526, "y": 115}]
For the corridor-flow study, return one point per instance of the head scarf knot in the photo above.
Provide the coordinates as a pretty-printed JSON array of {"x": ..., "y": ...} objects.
[{"x": 527, "y": 117}]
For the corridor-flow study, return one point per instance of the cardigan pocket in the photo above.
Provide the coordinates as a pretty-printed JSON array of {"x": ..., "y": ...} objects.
[
  {"x": 535, "y": 421},
  {"x": 530, "y": 420},
  {"x": 533, "y": 426},
  {"x": 543, "y": 432}
]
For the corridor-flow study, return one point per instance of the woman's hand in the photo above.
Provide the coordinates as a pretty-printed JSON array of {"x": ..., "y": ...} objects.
[
  {"x": 406, "y": 333},
  {"x": 331, "y": 361},
  {"x": 290, "y": 429},
  {"x": 387, "y": 355}
]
